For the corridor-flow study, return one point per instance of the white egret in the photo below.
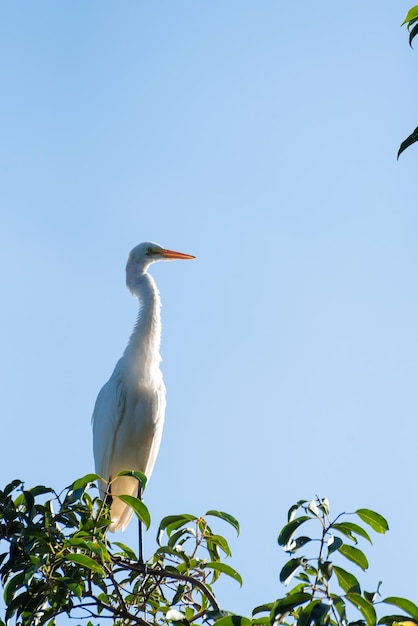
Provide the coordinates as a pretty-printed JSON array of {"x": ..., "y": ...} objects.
[{"x": 128, "y": 416}]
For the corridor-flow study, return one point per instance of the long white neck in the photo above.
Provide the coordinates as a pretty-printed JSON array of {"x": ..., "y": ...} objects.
[{"x": 143, "y": 349}]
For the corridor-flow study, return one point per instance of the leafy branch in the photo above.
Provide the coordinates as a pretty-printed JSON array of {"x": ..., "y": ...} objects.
[
  {"x": 56, "y": 558},
  {"x": 411, "y": 20},
  {"x": 62, "y": 562}
]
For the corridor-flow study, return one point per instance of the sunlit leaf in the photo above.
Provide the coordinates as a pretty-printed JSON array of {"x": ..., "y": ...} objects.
[
  {"x": 233, "y": 620},
  {"x": 373, "y": 519},
  {"x": 80, "y": 483},
  {"x": 86, "y": 561},
  {"x": 346, "y": 580},
  {"x": 173, "y": 522},
  {"x": 364, "y": 606},
  {"x": 126, "y": 550},
  {"x": 226, "y": 517},
  {"x": 350, "y": 530},
  {"x": 404, "y": 604},
  {"x": 225, "y": 569},
  {"x": 355, "y": 555},
  {"x": 140, "y": 477},
  {"x": 139, "y": 509},
  {"x": 399, "y": 619},
  {"x": 290, "y": 528},
  {"x": 219, "y": 541},
  {"x": 411, "y": 15}
]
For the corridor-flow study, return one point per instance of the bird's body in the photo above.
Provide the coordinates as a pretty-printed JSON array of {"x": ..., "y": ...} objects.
[{"x": 129, "y": 412}]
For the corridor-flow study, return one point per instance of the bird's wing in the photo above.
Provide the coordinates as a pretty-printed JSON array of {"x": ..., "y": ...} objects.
[
  {"x": 107, "y": 414},
  {"x": 135, "y": 447}
]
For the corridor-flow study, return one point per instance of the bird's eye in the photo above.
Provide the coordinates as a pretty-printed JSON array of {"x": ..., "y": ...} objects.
[{"x": 150, "y": 251}]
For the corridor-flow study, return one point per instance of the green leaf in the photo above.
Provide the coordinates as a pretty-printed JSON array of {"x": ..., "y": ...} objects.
[
  {"x": 12, "y": 486},
  {"x": 289, "y": 570},
  {"x": 141, "y": 478},
  {"x": 400, "y": 619},
  {"x": 82, "y": 482},
  {"x": 413, "y": 32},
  {"x": 219, "y": 541},
  {"x": 40, "y": 490},
  {"x": 139, "y": 509},
  {"x": 373, "y": 519},
  {"x": 404, "y": 604},
  {"x": 287, "y": 604},
  {"x": 292, "y": 600},
  {"x": 347, "y": 581},
  {"x": 364, "y": 606},
  {"x": 174, "y": 538},
  {"x": 312, "y": 612},
  {"x": 355, "y": 555},
  {"x": 350, "y": 530},
  {"x": 233, "y": 620},
  {"x": 339, "y": 606},
  {"x": 412, "y": 138},
  {"x": 226, "y": 517},
  {"x": 334, "y": 545},
  {"x": 12, "y": 587},
  {"x": 291, "y": 512},
  {"x": 172, "y": 522},
  {"x": 75, "y": 587},
  {"x": 262, "y": 608},
  {"x": 126, "y": 550},
  {"x": 86, "y": 561},
  {"x": 411, "y": 15},
  {"x": 297, "y": 543},
  {"x": 225, "y": 569},
  {"x": 290, "y": 528},
  {"x": 319, "y": 611},
  {"x": 326, "y": 569}
]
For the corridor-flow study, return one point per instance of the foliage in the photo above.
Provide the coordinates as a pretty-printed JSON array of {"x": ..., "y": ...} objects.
[
  {"x": 324, "y": 592},
  {"x": 56, "y": 559},
  {"x": 62, "y": 562},
  {"x": 411, "y": 20}
]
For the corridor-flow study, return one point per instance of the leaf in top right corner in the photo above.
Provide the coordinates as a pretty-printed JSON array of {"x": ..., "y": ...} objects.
[
  {"x": 373, "y": 519},
  {"x": 226, "y": 517},
  {"x": 411, "y": 15},
  {"x": 404, "y": 604}
]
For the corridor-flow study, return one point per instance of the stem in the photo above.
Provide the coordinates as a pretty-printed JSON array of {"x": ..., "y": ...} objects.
[{"x": 137, "y": 567}]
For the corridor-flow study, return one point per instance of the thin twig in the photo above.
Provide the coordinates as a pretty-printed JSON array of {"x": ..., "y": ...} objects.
[{"x": 137, "y": 567}]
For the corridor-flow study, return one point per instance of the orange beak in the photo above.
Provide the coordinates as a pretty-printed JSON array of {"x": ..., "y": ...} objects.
[{"x": 172, "y": 254}]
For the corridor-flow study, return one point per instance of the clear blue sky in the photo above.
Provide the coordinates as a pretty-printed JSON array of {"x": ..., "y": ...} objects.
[{"x": 260, "y": 136}]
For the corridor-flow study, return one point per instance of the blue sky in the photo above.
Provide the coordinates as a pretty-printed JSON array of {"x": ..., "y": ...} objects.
[{"x": 262, "y": 138}]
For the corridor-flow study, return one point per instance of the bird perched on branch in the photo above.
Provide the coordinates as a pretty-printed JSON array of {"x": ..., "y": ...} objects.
[{"x": 128, "y": 416}]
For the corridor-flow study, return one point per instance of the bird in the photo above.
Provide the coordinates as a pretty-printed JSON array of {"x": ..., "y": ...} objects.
[{"x": 128, "y": 415}]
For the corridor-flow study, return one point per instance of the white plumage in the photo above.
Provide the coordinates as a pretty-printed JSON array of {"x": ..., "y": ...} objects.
[{"x": 128, "y": 416}]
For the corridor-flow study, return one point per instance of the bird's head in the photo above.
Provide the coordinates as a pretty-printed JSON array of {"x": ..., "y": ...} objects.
[{"x": 146, "y": 253}]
